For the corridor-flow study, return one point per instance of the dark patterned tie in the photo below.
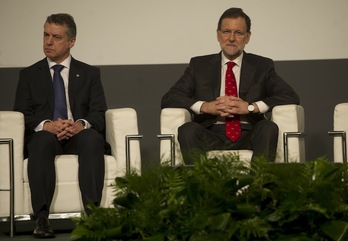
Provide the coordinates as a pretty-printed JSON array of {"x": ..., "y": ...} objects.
[
  {"x": 232, "y": 128},
  {"x": 60, "y": 108}
]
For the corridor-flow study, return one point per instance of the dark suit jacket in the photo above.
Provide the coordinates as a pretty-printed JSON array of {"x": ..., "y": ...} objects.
[
  {"x": 35, "y": 95},
  {"x": 202, "y": 81}
]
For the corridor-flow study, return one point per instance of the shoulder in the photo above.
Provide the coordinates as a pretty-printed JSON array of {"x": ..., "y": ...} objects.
[
  {"x": 256, "y": 58},
  {"x": 36, "y": 67},
  {"x": 205, "y": 61},
  {"x": 81, "y": 65},
  {"x": 77, "y": 67},
  {"x": 205, "y": 58}
]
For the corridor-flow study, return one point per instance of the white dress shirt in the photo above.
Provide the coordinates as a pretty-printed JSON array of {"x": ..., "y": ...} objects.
[
  {"x": 196, "y": 107},
  {"x": 65, "y": 75}
]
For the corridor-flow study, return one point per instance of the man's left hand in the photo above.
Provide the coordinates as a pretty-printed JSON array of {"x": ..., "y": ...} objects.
[
  {"x": 230, "y": 105},
  {"x": 71, "y": 130}
]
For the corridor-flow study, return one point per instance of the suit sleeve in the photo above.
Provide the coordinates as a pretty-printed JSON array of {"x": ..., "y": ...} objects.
[
  {"x": 31, "y": 99},
  {"x": 90, "y": 101},
  {"x": 181, "y": 94},
  {"x": 278, "y": 91}
]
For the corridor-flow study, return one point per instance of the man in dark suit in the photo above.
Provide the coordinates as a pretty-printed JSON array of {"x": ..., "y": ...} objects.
[
  {"x": 201, "y": 90},
  {"x": 78, "y": 129}
]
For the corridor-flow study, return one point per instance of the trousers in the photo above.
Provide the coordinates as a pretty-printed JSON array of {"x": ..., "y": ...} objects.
[
  {"x": 43, "y": 147},
  {"x": 195, "y": 139}
]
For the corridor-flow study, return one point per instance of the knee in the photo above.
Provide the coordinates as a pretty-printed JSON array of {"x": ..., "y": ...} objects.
[
  {"x": 90, "y": 138},
  {"x": 188, "y": 130},
  {"x": 269, "y": 127},
  {"x": 42, "y": 140},
  {"x": 273, "y": 128}
]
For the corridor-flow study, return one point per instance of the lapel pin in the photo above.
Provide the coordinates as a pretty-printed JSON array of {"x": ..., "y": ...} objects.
[{"x": 77, "y": 75}]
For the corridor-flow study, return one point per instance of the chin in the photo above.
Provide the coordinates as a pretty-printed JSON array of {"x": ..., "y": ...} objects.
[
  {"x": 232, "y": 54},
  {"x": 51, "y": 56},
  {"x": 48, "y": 52}
]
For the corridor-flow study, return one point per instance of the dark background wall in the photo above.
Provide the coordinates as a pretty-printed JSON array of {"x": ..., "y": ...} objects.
[{"x": 321, "y": 84}]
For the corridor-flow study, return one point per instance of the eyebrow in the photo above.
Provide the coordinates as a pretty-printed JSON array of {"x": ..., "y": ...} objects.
[{"x": 54, "y": 35}]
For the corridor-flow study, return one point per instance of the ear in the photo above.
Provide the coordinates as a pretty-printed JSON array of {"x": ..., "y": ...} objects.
[
  {"x": 247, "y": 39},
  {"x": 72, "y": 42},
  {"x": 217, "y": 35}
]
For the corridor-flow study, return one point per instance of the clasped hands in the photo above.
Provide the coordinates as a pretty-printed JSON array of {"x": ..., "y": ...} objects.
[
  {"x": 63, "y": 129},
  {"x": 226, "y": 106}
]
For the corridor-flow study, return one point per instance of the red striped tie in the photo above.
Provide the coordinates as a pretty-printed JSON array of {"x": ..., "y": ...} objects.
[{"x": 233, "y": 130}]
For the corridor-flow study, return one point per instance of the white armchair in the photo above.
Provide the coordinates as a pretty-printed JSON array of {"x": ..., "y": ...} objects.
[
  {"x": 289, "y": 118},
  {"x": 121, "y": 129},
  {"x": 340, "y": 128}
]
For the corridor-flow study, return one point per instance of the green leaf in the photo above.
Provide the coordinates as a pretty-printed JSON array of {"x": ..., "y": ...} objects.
[
  {"x": 158, "y": 237},
  {"x": 336, "y": 230},
  {"x": 295, "y": 237},
  {"x": 121, "y": 182},
  {"x": 214, "y": 236},
  {"x": 127, "y": 201},
  {"x": 220, "y": 222}
]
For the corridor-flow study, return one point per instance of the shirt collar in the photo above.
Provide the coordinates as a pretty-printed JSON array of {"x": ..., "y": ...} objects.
[
  {"x": 237, "y": 60},
  {"x": 65, "y": 63}
]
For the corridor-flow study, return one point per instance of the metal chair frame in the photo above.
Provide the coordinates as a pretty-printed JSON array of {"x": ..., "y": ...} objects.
[{"x": 13, "y": 217}]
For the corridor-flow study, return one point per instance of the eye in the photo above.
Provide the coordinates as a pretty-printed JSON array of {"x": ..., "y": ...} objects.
[
  {"x": 57, "y": 37},
  {"x": 239, "y": 34},
  {"x": 226, "y": 32}
]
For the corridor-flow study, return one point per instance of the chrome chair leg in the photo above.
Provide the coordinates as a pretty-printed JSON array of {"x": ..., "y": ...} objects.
[
  {"x": 9, "y": 142},
  {"x": 343, "y": 135},
  {"x": 128, "y": 139},
  {"x": 286, "y": 136},
  {"x": 170, "y": 137}
]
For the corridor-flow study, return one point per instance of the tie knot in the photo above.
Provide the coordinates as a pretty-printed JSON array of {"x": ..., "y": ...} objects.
[
  {"x": 57, "y": 68},
  {"x": 230, "y": 64}
]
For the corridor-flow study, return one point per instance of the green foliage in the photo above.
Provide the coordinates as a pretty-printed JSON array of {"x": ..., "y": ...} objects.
[{"x": 221, "y": 199}]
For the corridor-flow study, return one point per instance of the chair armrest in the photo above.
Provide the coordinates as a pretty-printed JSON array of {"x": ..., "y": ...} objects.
[
  {"x": 171, "y": 120},
  {"x": 11, "y": 127},
  {"x": 340, "y": 128},
  {"x": 291, "y": 122},
  {"x": 121, "y": 127},
  {"x": 337, "y": 148}
]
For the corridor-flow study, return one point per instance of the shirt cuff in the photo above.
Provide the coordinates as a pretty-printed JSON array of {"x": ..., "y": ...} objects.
[
  {"x": 39, "y": 127},
  {"x": 263, "y": 108},
  {"x": 196, "y": 107},
  {"x": 87, "y": 125}
]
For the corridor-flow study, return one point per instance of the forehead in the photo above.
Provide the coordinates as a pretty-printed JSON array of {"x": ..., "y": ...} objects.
[
  {"x": 53, "y": 28},
  {"x": 234, "y": 23}
]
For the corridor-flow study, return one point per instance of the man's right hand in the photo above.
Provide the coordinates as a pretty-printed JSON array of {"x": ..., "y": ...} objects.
[
  {"x": 59, "y": 128},
  {"x": 226, "y": 106},
  {"x": 210, "y": 108}
]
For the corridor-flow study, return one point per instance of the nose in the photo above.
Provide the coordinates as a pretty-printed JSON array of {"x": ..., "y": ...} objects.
[
  {"x": 48, "y": 40},
  {"x": 231, "y": 38}
]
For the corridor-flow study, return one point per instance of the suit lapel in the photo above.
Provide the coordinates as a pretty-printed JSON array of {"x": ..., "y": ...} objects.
[
  {"x": 215, "y": 75},
  {"x": 247, "y": 73},
  {"x": 74, "y": 77},
  {"x": 45, "y": 81}
]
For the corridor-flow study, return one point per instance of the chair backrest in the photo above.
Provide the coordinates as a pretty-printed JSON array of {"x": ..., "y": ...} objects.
[
  {"x": 340, "y": 124},
  {"x": 170, "y": 120},
  {"x": 11, "y": 126},
  {"x": 120, "y": 123},
  {"x": 291, "y": 122}
]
